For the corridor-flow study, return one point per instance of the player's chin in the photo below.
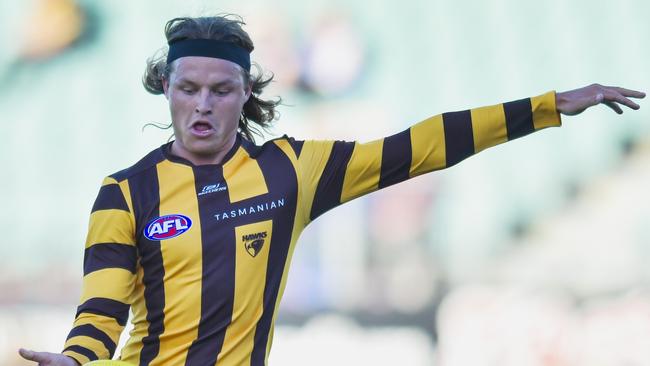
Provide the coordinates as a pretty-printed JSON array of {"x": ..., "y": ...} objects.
[{"x": 203, "y": 147}]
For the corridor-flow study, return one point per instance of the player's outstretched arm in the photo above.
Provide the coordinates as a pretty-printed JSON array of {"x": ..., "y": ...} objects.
[
  {"x": 351, "y": 169},
  {"x": 47, "y": 358},
  {"x": 575, "y": 101}
]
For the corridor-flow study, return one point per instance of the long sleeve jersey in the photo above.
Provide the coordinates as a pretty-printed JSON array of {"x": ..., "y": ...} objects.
[{"x": 200, "y": 254}]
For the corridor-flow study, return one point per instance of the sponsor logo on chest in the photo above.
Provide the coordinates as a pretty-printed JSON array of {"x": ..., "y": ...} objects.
[
  {"x": 167, "y": 227},
  {"x": 250, "y": 209},
  {"x": 212, "y": 188}
]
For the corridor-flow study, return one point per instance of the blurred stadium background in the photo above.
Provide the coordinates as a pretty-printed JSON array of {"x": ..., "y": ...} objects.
[{"x": 532, "y": 254}]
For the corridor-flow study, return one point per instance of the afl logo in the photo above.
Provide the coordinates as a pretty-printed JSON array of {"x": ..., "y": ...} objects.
[{"x": 167, "y": 227}]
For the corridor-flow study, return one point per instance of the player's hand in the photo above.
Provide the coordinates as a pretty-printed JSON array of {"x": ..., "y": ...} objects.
[
  {"x": 47, "y": 358},
  {"x": 574, "y": 102}
]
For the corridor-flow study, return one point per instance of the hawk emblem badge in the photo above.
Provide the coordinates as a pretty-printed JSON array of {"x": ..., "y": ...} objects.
[{"x": 254, "y": 242}]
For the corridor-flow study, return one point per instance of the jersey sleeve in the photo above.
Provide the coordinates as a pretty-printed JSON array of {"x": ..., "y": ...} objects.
[
  {"x": 335, "y": 172},
  {"x": 109, "y": 267}
]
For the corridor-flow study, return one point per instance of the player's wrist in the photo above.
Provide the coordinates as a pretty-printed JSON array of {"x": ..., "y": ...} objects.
[
  {"x": 560, "y": 102},
  {"x": 71, "y": 361},
  {"x": 74, "y": 361}
]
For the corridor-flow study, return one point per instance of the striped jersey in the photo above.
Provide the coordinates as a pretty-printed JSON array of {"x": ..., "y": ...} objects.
[{"x": 200, "y": 254}]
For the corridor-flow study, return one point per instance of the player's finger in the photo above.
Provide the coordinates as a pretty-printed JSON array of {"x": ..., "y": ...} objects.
[
  {"x": 614, "y": 107},
  {"x": 25, "y": 353},
  {"x": 619, "y": 98},
  {"x": 36, "y": 356},
  {"x": 30, "y": 355},
  {"x": 629, "y": 92}
]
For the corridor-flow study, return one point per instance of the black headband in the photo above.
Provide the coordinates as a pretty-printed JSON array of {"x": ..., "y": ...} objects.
[{"x": 209, "y": 48}]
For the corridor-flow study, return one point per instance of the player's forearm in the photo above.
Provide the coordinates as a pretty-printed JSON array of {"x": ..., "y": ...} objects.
[
  {"x": 93, "y": 336},
  {"x": 445, "y": 140}
]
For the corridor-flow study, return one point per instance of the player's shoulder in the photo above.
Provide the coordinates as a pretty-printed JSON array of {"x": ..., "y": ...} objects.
[
  {"x": 291, "y": 145},
  {"x": 285, "y": 143},
  {"x": 149, "y": 161}
]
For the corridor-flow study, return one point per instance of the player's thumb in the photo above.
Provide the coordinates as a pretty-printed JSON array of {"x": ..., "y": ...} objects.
[{"x": 31, "y": 355}]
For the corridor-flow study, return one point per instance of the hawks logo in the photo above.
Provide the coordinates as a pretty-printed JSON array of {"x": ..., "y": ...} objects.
[
  {"x": 167, "y": 227},
  {"x": 254, "y": 242}
]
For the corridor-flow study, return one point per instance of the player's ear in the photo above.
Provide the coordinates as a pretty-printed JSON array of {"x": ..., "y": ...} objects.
[
  {"x": 165, "y": 85},
  {"x": 249, "y": 90}
]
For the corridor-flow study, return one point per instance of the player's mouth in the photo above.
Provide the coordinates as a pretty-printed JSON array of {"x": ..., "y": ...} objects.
[{"x": 202, "y": 129}]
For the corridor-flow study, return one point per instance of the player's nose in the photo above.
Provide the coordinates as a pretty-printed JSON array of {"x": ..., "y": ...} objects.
[{"x": 203, "y": 104}]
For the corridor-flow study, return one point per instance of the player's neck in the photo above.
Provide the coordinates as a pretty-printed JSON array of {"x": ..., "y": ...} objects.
[{"x": 211, "y": 158}]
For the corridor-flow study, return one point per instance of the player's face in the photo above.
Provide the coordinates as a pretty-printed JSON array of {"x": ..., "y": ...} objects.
[{"x": 206, "y": 96}]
